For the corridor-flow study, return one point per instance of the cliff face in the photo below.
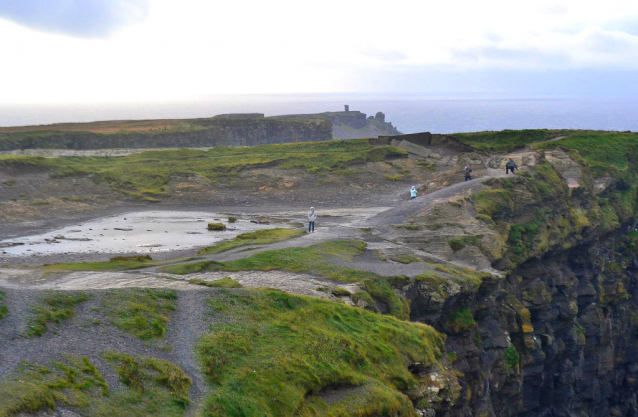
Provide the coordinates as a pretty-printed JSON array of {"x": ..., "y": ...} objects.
[
  {"x": 201, "y": 133},
  {"x": 554, "y": 330}
]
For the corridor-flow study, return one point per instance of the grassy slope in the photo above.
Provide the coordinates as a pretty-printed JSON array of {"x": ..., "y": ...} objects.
[
  {"x": 270, "y": 353},
  {"x": 508, "y": 140},
  {"x": 152, "y": 386},
  {"x": 260, "y": 237},
  {"x": 147, "y": 174},
  {"x": 3, "y": 308}
]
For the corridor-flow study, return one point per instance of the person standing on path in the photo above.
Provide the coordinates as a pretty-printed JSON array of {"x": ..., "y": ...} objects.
[
  {"x": 312, "y": 216},
  {"x": 413, "y": 192},
  {"x": 510, "y": 166},
  {"x": 468, "y": 172}
]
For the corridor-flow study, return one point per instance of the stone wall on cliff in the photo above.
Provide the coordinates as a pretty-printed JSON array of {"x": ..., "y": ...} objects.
[{"x": 202, "y": 133}]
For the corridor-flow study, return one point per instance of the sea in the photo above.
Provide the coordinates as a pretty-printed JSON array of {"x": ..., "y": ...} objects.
[{"x": 410, "y": 113}]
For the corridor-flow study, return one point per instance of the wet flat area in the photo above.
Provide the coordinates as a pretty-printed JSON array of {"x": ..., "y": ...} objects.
[{"x": 143, "y": 233}]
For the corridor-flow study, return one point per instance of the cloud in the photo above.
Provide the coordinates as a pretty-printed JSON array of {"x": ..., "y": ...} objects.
[{"x": 78, "y": 18}]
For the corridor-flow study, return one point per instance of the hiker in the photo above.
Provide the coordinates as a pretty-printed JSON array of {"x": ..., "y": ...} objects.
[
  {"x": 510, "y": 166},
  {"x": 468, "y": 172},
  {"x": 412, "y": 192},
  {"x": 312, "y": 216}
]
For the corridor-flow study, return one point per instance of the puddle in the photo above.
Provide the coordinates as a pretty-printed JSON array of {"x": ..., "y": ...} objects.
[{"x": 141, "y": 232}]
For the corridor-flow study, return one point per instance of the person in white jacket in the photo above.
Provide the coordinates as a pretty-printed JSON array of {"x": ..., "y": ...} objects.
[{"x": 312, "y": 216}]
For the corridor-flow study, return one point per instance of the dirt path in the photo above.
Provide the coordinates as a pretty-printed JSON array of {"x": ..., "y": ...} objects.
[{"x": 400, "y": 214}]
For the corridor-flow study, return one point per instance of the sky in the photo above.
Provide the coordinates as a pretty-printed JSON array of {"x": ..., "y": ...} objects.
[{"x": 55, "y": 51}]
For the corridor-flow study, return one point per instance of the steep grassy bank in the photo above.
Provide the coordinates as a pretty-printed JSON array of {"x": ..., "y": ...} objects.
[{"x": 273, "y": 354}]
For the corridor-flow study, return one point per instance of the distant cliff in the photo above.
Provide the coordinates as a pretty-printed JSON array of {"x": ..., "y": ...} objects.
[
  {"x": 353, "y": 124},
  {"x": 218, "y": 131}
]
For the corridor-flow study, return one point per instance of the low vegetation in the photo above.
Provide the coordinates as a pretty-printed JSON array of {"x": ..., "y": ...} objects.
[
  {"x": 3, "y": 307},
  {"x": 313, "y": 259},
  {"x": 53, "y": 307},
  {"x": 161, "y": 387},
  {"x": 270, "y": 353},
  {"x": 260, "y": 237},
  {"x": 216, "y": 227},
  {"x": 508, "y": 140},
  {"x": 226, "y": 282},
  {"x": 151, "y": 387},
  {"x": 144, "y": 313},
  {"x": 459, "y": 242},
  {"x": 461, "y": 320},
  {"x": 119, "y": 263},
  {"x": 147, "y": 175}
]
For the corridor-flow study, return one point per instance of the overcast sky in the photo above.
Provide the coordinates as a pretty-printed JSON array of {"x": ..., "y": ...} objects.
[{"x": 111, "y": 50}]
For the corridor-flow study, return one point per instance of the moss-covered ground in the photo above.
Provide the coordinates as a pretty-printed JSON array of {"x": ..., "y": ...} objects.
[
  {"x": 269, "y": 353},
  {"x": 152, "y": 386},
  {"x": 260, "y": 237},
  {"x": 144, "y": 313},
  {"x": 53, "y": 307}
]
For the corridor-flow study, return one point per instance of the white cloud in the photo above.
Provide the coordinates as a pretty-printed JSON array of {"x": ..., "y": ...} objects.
[{"x": 189, "y": 48}]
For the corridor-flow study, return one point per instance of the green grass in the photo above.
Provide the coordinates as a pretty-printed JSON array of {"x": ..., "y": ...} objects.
[
  {"x": 511, "y": 357},
  {"x": 147, "y": 174},
  {"x": 311, "y": 260},
  {"x": 3, "y": 308},
  {"x": 405, "y": 258},
  {"x": 269, "y": 353},
  {"x": 162, "y": 385},
  {"x": 260, "y": 237},
  {"x": 144, "y": 313},
  {"x": 226, "y": 282},
  {"x": 32, "y": 388},
  {"x": 460, "y": 320},
  {"x": 120, "y": 263},
  {"x": 459, "y": 242},
  {"x": 380, "y": 289},
  {"x": 53, "y": 307},
  {"x": 151, "y": 387},
  {"x": 508, "y": 140},
  {"x": 601, "y": 150},
  {"x": 217, "y": 227}
]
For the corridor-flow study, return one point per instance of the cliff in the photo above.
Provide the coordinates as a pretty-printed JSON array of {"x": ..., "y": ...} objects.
[
  {"x": 353, "y": 124},
  {"x": 218, "y": 131},
  {"x": 552, "y": 329}
]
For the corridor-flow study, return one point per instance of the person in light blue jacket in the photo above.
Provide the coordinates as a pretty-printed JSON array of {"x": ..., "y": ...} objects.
[{"x": 413, "y": 192}]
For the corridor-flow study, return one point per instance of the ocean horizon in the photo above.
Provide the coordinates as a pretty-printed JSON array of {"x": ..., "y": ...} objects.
[{"x": 410, "y": 113}]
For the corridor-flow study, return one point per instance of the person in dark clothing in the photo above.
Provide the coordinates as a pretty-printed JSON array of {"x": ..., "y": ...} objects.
[
  {"x": 510, "y": 166},
  {"x": 468, "y": 172}
]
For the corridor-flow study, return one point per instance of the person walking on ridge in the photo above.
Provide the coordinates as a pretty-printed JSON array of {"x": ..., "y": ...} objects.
[
  {"x": 468, "y": 172},
  {"x": 412, "y": 192},
  {"x": 510, "y": 166},
  {"x": 312, "y": 216}
]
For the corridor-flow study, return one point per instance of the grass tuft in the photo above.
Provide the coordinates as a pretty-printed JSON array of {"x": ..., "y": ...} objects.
[
  {"x": 226, "y": 282},
  {"x": 144, "y": 313},
  {"x": 53, "y": 308},
  {"x": 3, "y": 308}
]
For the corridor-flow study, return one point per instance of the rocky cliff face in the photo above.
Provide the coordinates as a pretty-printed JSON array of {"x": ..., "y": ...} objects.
[
  {"x": 204, "y": 133},
  {"x": 553, "y": 329}
]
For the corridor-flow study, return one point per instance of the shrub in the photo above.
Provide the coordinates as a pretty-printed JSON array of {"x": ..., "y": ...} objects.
[{"x": 217, "y": 227}]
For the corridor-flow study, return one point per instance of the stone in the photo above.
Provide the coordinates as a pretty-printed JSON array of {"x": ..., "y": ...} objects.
[{"x": 414, "y": 149}]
